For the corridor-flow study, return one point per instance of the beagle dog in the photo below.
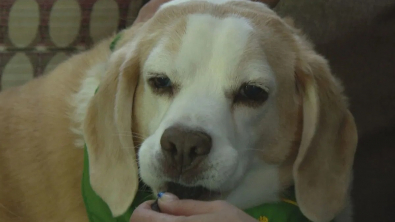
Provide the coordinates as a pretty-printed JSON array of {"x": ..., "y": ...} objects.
[{"x": 209, "y": 99}]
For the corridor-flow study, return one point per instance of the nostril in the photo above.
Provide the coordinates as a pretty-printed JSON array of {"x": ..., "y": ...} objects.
[
  {"x": 193, "y": 153},
  {"x": 201, "y": 150},
  {"x": 172, "y": 149}
]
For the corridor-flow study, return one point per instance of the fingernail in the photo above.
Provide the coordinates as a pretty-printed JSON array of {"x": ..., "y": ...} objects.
[
  {"x": 160, "y": 194},
  {"x": 166, "y": 197}
]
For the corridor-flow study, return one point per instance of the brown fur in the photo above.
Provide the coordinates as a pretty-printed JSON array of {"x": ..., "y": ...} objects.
[{"x": 41, "y": 170}]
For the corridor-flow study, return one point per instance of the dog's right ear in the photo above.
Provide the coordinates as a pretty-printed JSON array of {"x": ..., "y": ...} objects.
[
  {"x": 323, "y": 167},
  {"x": 113, "y": 170}
]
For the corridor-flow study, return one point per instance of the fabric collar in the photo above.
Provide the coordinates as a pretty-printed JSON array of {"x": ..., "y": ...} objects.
[
  {"x": 286, "y": 210},
  {"x": 97, "y": 209},
  {"x": 114, "y": 42}
]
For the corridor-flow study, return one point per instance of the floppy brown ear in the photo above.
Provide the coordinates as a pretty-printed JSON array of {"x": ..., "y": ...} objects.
[
  {"x": 107, "y": 132},
  {"x": 323, "y": 167}
]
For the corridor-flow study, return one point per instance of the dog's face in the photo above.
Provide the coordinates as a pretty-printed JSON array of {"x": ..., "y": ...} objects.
[
  {"x": 228, "y": 102},
  {"x": 216, "y": 110}
]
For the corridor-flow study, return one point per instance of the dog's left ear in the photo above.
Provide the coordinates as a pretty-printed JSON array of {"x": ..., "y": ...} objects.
[
  {"x": 323, "y": 167},
  {"x": 107, "y": 130}
]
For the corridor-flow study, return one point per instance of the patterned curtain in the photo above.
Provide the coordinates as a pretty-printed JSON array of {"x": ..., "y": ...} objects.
[{"x": 36, "y": 35}]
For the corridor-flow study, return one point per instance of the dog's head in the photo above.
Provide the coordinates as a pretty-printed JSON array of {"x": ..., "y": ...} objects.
[{"x": 225, "y": 101}]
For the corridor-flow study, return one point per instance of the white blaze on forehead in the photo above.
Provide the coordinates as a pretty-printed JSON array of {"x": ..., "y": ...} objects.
[
  {"x": 212, "y": 46},
  {"x": 212, "y": 51},
  {"x": 177, "y": 2}
]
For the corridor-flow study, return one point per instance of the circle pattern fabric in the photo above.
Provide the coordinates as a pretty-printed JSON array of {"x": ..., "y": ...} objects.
[{"x": 37, "y": 35}]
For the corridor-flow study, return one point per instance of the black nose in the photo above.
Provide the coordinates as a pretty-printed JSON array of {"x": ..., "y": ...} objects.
[{"x": 185, "y": 148}]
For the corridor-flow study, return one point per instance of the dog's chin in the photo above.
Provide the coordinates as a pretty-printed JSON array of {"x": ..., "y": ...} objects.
[{"x": 191, "y": 192}]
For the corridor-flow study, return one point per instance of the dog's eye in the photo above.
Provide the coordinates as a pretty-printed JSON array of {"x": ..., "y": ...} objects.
[
  {"x": 160, "y": 82},
  {"x": 161, "y": 85},
  {"x": 251, "y": 94}
]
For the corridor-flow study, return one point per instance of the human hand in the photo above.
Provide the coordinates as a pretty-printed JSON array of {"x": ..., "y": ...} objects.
[{"x": 175, "y": 210}]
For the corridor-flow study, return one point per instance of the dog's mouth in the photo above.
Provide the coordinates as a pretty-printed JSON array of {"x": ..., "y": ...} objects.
[{"x": 194, "y": 192}]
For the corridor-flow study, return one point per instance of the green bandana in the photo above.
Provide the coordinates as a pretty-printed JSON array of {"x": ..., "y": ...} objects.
[
  {"x": 98, "y": 211},
  {"x": 114, "y": 41}
]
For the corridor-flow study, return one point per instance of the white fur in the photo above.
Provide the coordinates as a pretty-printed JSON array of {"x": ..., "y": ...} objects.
[
  {"x": 208, "y": 64},
  {"x": 260, "y": 176}
]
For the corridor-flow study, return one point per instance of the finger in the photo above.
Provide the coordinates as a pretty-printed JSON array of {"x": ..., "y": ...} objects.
[
  {"x": 144, "y": 213},
  {"x": 146, "y": 205},
  {"x": 189, "y": 207}
]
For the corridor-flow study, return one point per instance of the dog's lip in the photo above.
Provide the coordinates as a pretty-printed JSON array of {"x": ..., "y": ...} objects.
[{"x": 191, "y": 192}]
